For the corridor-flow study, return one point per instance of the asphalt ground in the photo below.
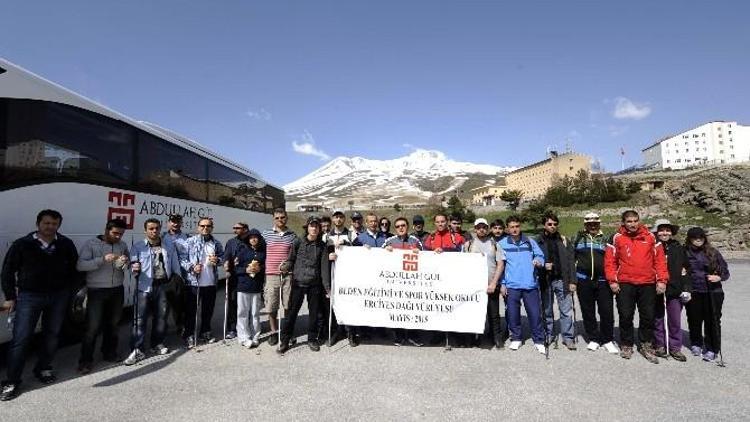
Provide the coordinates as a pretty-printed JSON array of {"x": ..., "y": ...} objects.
[{"x": 384, "y": 382}]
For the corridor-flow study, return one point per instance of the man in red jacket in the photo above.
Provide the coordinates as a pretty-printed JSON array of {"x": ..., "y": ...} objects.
[{"x": 636, "y": 270}]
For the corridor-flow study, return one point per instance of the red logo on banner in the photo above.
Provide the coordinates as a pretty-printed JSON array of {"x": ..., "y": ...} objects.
[
  {"x": 118, "y": 207},
  {"x": 410, "y": 262}
]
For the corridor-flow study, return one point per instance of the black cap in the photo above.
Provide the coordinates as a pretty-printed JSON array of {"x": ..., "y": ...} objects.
[
  {"x": 696, "y": 233},
  {"x": 417, "y": 219},
  {"x": 176, "y": 218},
  {"x": 313, "y": 219},
  {"x": 356, "y": 216}
]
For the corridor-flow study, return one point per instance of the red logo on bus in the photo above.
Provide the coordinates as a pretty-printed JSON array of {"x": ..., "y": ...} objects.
[
  {"x": 410, "y": 262},
  {"x": 118, "y": 201}
]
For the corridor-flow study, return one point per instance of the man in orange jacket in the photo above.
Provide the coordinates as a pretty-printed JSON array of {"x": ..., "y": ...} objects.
[{"x": 636, "y": 270}]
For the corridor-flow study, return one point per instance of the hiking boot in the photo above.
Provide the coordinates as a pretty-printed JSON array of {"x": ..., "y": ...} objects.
[
  {"x": 661, "y": 352},
  {"x": 648, "y": 352},
  {"x": 283, "y": 347},
  {"x": 626, "y": 352},
  {"x": 231, "y": 335},
  {"x": 611, "y": 347},
  {"x": 208, "y": 338},
  {"x": 353, "y": 340},
  {"x": 515, "y": 345},
  {"x": 499, "y": 343},
  {"x": 45, "y": 376},
  {"x": 696, "y": 350},
  {"x": 313, "y": 345},
  {"x": 135, "y": 356},
  {"x": 593, "y": 346},
  {"x": 9, "y": 391},
  {"x": 190, "y": 342},
  {"x": 709, "y": 356},
  {"x": 84, "y": 368},
  {"x": 160, "y": 350},
  {"x": 398, "y": 341},
  {"x": 570, "y": 345},
  {"x": 678, "y": 356},
  {"x": 273, "y": 339}
]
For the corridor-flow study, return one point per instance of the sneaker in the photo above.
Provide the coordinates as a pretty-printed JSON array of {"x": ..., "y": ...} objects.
[
  {"x": 231, "y": 335},
  {"x": 648, "y": 352},
  {"x": 254, "y": 344},
  {"x": 696, "y": 350},
  {"x": 593, "y": 346},
  {"x": 160, "y": 349},
  {"x": 611, "y": 347},
  {"x": 661, "y": 352},
  {"x": 84, "y": 368},
  {"x": 208, "y": 338},
  {"x": 273, "y": 339},
  {"x": 313, "y": 345},
  {"x": 190, "y": 342},
  {"x": 414, "y": 342},
  {"x": 515, "y": 345},
  {"x": 626, "y": 352},
  {"x": 397, "y": 341},
  {"x": 709, "y": 356},
  {"x": 292, "y": 341},
  {"x": 678, "y": 356},
  {"x": 45, "y": 376},
  {"x": 134, "y": 357},
  {"x": 353, "y": 340},
  {"x": 570, "y": 345},
  {"x": 9, "y": 391},
  {"x": 541, "y": 349}
]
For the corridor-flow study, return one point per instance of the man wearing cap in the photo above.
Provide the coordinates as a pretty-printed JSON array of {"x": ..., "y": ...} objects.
[
  {"x": 482, "y": 242},
  {"x": 241, "y": 234},
  {"x": 678, "y": 292},
  {"x": 176, "y": 297},
  {"x": 279, "y": 241},
  {"x": 557, "y": 280},
  {"x": 419, "y": 231},
  {"x": 357, "y": 226},
  {"x": 636, "y": 270},
  {"x": 592, "y": 287},
  {"x": 308, "y": 263},
  {"x": 336, "y": 238}
]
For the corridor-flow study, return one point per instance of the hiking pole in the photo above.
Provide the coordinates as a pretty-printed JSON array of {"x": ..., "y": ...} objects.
[
  {"x": 281, "y": 308},
  {"x": 715, "y": 324},
  {"x": 135, "y": 294},
  {"x": 197, "y": 309},
  {"x": 575, "y": 318},
  {"x": 666, "y": 326},
  {"x": 226, "y": 308}
]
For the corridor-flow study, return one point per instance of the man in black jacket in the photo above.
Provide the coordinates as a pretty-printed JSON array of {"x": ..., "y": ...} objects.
[
  {"x": 557, "y": 279},
  {"x": 308, "y": 263},
  {"x": 37, "y": 276}
]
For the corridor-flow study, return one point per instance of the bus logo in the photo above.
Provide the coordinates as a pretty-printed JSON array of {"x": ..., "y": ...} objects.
[
  {"x": 118, "y": 207},
  {"x": 410, "y": 262}
]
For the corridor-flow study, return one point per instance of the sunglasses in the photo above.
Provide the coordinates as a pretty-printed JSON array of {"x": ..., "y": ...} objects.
[
  {"x": 203, "y": 226},
  {"x": 552, "y": 224},
  {"x": 283, "y": 217},
  {"x": 385, "y": 224},
  {"x": 401, "y": 226},
  {"x": 237, "y": 228}
]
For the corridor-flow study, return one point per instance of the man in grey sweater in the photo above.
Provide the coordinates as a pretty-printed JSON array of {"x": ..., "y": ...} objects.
[{"x": 104, "y": 259}]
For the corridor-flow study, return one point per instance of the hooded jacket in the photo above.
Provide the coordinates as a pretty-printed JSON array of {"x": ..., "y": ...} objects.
[
  {"x": 701, "y": 267},
  {"x": 635, "y": 259},
  {"x": 99, "y": 273},
  {"x": 30, "y": 267},
  {"x": 244, "y": 254},
  {"x": 308, "y": 260},
  {"x": 678, "y": 267}
]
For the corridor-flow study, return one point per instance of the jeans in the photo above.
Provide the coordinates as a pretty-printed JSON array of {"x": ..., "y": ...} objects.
[
  {"x": 702, "y": 320},
  {"x": 207, "y": 303},
  {"x": 564, "y": 305},
  {"x": 532, "y": 304},
  {"x": 493, "y": 316},
  {"x": 232, "y": 300},
  {"x": 593, "y": 296},
  {"x": 153, "y": 304},
  {"x": 51, "y": 306},
  {"x": 103, "y": 313},
  {"x": 643, "y": 296},
  {"x": 674, "y": 316},
  {"x": 314, "y": 298},
  {"x": 248, "y": 316}
]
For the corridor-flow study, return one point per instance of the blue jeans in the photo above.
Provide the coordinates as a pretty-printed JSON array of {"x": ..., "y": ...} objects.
[
  {"x": 153, "y": 304},
  {"x": 29, "y": 307},
  {"x": 564, "y": 305},
  {"x": 533, "y": 308}
]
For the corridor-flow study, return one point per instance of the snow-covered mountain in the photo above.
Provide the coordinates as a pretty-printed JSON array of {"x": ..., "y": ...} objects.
[{"x": 410, "y": 179}]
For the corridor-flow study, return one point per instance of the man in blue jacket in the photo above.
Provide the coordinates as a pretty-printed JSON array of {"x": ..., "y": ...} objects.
[{"x": 522, "y": 257}]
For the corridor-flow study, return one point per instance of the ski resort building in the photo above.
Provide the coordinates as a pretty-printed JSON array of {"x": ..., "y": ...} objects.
[{"x": 534, "y": 179}]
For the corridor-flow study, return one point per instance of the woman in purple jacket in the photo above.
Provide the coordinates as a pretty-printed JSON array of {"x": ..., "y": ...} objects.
[{"x": 707, "y": 270}]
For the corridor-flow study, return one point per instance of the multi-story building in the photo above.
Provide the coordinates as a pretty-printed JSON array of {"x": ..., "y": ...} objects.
[
  {"x": 487, "y": 195},
  {"x": 716, "y": 142},
  {"x": 534, "y": 179}
]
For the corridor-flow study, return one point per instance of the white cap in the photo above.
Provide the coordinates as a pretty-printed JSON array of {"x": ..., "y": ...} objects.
[
  {"x": 479, "y": 221},
  {"x": 338, "y": 211},
  {"x": 591, "y": 217}
]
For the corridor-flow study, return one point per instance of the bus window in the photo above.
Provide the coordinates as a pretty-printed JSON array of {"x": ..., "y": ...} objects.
[
  {"x": 50, "y": 142},
  {"x": 166, "y": 169},
  {"x": 234, "y": 189}
]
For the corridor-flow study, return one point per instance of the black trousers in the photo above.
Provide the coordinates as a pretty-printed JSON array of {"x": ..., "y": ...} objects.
[
  {"x": 593, "y": 295},
  {"x": 208, "y": 302},
  {"x": 493, "y": 316},
  {"x": 103, "y": 314},
  {"x": 315, "y": 297},
  {"x": 631, "y": 296},
  {"x": 232, "y": 305},
  {"x": 702, "y": 320}
]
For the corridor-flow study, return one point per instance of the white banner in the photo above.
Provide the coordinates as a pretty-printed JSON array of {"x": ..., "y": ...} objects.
[{"x": 403, "y": 289}]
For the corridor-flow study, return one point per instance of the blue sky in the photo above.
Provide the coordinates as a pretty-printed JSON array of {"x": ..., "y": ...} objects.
[{"x": 485, "y": 81}]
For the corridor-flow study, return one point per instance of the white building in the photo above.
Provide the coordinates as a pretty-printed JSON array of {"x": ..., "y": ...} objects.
[{"x": 716, "y": 142}]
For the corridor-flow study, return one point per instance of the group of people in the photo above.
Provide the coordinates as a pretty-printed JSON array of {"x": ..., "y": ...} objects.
[{"x": 177, "y": 274}]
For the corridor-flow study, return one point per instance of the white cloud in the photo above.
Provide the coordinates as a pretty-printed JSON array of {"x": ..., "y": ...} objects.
[
  {"x": 261, "y": 114},
  {"x": 306, "y": 146},
  {"x": 627, "y": 109}
]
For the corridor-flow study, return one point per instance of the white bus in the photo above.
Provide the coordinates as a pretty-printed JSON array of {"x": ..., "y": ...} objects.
[{"x": 62, "y": 151}]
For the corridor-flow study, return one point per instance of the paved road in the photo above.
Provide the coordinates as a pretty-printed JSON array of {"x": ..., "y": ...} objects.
[{"x": 383, "y": 382}]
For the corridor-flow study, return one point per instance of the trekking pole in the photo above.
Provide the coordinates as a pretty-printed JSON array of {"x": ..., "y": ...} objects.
[
  {"x": 666, "y": 326},
  {"x": 226, "y": 308},
  {"x": 330, "y": 305},
  {"x": 135, "y": 295},
  {"x": 575, "y": 318},
  {"x": 281, "y": 308},
  {"x": 715, "y": 324},
  {"x": 197, "y": 310}
]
